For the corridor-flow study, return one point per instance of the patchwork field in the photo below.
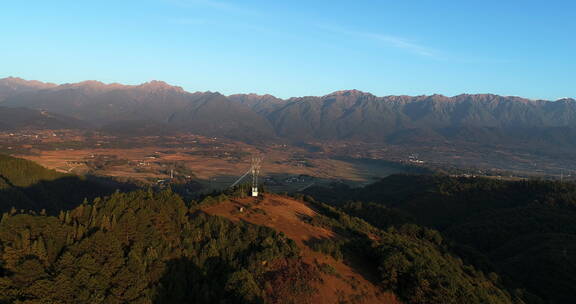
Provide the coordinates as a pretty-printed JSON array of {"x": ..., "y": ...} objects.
[{"x": 215, "y": 167}]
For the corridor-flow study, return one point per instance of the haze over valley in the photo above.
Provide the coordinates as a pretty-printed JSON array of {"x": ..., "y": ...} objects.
[{"x": 482, "y": 131}]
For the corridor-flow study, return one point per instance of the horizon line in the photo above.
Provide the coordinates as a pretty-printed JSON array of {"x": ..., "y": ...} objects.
[{"x": 152, "y": 81}]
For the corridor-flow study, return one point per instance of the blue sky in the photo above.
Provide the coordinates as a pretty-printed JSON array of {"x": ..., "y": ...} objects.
[{"x": 296, "y": 48}]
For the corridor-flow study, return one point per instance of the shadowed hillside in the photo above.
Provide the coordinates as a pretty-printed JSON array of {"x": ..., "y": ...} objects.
[
  {"x": 524, "y": 230},
  {"x": 26, "y": 185},
  {"x": 413, "y": 262},
  {"x": 25, "y": 119}
]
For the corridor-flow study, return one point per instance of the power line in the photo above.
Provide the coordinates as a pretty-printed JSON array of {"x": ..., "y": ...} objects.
[
  {"x": 241, "y": 177},
  {"x": 255, "y": 165}
]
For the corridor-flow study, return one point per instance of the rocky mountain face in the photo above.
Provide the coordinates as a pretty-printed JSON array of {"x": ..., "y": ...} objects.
[
  {"x": 115, "y": 107},
  {"x": 12, "y": 86},
  {"x": 358, "y": 115},
  {"x": 262, "y": 104},
  {"x": 342, "y": 115}
]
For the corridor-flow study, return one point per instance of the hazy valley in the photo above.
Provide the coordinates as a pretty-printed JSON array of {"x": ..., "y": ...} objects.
[{"x": 471, "y": 133}]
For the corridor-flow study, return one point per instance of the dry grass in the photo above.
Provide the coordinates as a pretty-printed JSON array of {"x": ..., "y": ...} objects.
[{"x": 286, "y": 215}]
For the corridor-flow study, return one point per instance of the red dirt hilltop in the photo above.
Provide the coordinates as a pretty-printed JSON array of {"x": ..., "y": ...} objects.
[{"x": 286, "y": 215}]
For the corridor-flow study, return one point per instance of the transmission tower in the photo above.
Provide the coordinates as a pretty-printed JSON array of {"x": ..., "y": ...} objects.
[{"x": 255, "y": 169}]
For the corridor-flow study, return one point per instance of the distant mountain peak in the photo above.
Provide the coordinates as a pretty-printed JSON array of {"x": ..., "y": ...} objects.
[
  {"x": 158, "y": 85},
  {"x": 89, "y": 83},
  {"x": 151, "y": 86},
  {"x": 255, "y": 96},
  {"x": 14, "y": 79},
  {"x": 17, "y": 81},
  {"x": 258, "y": 95},
  {"x": 350, "y": 93},
  {"x": 566, "y": 99}
]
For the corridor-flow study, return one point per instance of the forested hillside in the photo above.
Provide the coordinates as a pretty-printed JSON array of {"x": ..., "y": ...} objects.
[
  {"x": 414, "y": 262},
  {"x": 142, "y": 247},
  {"x": 146, "y": 246},
  {"x": 525, "y": 230},
  {"x": 26, "y": 185}
]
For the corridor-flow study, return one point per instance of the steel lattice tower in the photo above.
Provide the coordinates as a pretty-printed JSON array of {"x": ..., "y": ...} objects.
[{"x": 256, "y": 163}]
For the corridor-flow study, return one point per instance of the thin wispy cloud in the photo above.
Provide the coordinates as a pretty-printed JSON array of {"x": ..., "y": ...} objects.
[
  {"x": 214, "y": 4},
  {"x": 390, "y": 40},
  {"x": 189, "y": 21}
]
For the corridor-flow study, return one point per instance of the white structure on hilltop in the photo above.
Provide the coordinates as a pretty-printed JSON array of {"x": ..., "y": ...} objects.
[
  {"x": 255, "y": 171},
  {"x": 256, "y": 163}
]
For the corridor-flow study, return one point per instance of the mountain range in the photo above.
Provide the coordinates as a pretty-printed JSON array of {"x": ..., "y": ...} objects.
[{"x": 343, "y": 115}]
